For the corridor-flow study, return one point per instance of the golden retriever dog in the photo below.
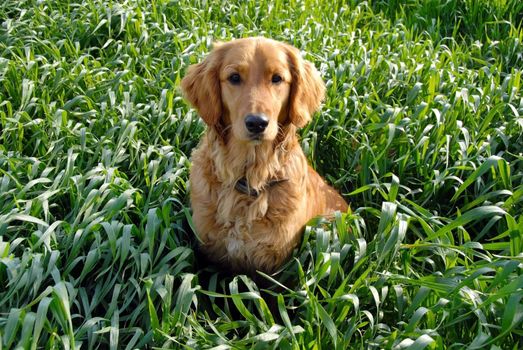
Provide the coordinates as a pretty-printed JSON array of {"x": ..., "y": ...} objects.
[{"x": 252, "y": 190}]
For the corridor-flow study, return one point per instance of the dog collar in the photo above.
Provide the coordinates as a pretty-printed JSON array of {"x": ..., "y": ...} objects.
[{"x": 243, "y": 187}]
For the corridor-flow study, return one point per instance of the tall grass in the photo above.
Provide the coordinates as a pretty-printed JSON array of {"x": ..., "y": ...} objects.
[{"x": 421, "y": 130}]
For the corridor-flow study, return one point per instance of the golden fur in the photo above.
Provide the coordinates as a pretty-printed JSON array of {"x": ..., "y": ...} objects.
[{"x": 239, "y": 230}]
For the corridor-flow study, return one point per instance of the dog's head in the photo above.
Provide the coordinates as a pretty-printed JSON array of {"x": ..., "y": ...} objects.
[{"x": 253, "y": 86}]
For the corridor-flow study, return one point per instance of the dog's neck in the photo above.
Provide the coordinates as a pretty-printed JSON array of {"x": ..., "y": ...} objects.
[{"x": 258, "y": 163}]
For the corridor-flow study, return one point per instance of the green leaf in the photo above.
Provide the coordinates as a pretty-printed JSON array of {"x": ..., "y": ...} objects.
[
  {"x": 470, "y": 216},
  {"x": 27, "y": 218},
  {"x": 41, "y": 318},
  {"x": 328, "y": 323},
  {"x": 492, "y": 161},
  {"x": 421, "y": 342}
]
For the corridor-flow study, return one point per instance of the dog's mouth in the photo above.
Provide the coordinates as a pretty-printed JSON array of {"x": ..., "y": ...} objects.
[
  {"x": 256, "y": 137},
  {"x": 257, "y": 140}
]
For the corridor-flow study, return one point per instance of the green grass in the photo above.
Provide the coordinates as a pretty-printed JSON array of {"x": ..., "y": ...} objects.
[{"x": 422, "y": 130}]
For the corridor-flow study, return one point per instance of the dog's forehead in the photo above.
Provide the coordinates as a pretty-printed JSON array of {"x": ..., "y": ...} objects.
[
  {"x": 271, "y": 55},
  {"x": 263, "y": 52}
]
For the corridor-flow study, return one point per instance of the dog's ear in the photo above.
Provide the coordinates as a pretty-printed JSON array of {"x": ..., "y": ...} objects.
[
  {"x": 307, "y": 89},
  {"x": 201, "y": 87}
]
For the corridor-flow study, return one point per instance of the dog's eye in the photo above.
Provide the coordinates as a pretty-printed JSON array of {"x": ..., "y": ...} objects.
[
  {"x": 276, "y": 79},
  {"x": 235, "y": 79}
]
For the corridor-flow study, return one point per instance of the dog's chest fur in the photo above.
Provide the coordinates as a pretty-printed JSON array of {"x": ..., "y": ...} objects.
[
  {"x": 238, "y": 214},
  {"x": 244, "y": 223},
  {"x": 251, "y": 223}
]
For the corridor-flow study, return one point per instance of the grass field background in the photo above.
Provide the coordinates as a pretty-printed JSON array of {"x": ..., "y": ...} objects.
[{"x": 421, "y": 131}]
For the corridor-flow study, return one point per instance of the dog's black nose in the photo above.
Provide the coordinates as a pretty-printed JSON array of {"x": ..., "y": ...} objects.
[{"x": 256, "y": 123}]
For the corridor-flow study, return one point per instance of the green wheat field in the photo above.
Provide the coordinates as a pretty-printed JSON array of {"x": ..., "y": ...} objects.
[{"x": 421, "y": 130}]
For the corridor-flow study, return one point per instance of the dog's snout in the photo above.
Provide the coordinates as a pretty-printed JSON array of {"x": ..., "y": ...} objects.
[{"x": 256, "y": 123}]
